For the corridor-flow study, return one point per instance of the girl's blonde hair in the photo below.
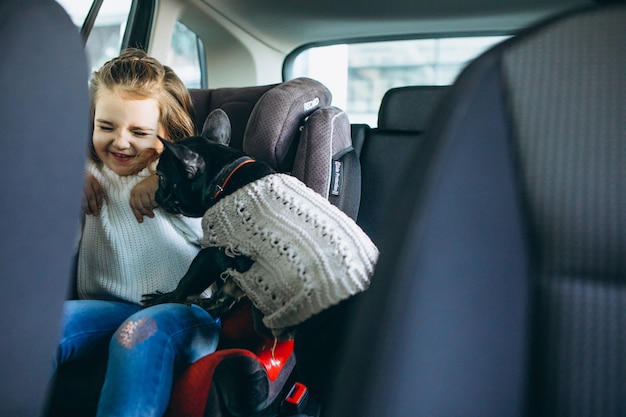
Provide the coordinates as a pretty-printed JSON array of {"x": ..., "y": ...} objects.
[{"x": 139, "y": 76}]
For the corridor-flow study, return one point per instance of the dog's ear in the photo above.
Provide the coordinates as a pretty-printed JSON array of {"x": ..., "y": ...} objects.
[
  {"x": 217, "y": 127},
  {"x": 191, "y": 160}
]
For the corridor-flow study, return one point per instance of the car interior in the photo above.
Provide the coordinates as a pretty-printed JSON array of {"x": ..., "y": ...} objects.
[{"x": 496, "y": 199}]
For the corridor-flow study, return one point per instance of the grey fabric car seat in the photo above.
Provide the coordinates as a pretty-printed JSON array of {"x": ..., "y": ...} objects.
[
  {"x": 44, "y": 118},
  {"x": 292, "y": 127},
  {"x": 501, "y": 287}
]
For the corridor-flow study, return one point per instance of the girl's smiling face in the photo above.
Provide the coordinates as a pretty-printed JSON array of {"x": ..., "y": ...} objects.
[{"x": 125, "y": 131}]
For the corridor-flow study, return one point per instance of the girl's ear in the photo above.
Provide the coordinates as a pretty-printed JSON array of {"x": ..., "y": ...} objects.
[{"x": 191, "y": 160}]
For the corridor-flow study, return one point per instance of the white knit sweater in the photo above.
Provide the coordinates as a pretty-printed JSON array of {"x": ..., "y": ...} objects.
[
  {"x": 308, "y": 254},
  {"x": 121, "y": 259}
]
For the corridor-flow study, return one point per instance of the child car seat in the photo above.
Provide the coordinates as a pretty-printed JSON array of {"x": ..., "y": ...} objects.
[{"x": 293, "y": 128}]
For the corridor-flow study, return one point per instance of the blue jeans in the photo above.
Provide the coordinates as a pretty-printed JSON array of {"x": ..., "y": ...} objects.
[{"x": 146, "y": 349}]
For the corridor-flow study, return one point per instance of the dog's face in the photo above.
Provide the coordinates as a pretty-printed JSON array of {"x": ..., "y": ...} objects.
[
  {"x": 182, "y": 174},
  {"x": 186, "y": 167}
]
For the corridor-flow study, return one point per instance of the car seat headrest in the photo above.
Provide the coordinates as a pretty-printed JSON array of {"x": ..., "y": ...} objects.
[
  {"x": 408, "y": 109},
  {"x": 326, "y": 161},
  {"x": 237, "y": 102},
  {"x": 276, "y": 118}
]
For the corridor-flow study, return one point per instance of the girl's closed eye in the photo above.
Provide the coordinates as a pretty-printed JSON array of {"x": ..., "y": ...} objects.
[
  {"x": 104, "y": 126},
  {"x": 143, "y": 132}
]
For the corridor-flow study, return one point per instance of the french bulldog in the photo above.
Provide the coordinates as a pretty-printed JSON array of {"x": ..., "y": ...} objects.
[
  {"x": 267, "y": 236},
  {"x": 194, "y": 174}
]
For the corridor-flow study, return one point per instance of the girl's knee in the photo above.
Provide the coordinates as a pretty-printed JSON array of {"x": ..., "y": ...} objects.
[
  {"x": 134, "y": 331},
  {"x": 169, "y": 324},
  {"x": 149, "y": 325}
]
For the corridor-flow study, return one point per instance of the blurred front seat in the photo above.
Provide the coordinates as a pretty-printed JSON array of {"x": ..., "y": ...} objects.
[
  {"x": 44, "y": 115},
  {"x": 501, "y": 288}
]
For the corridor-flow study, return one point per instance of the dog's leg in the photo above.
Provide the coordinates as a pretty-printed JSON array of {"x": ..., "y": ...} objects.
[
  {"x": 223, "y": 300},
  {"x": 204, "y": 270}
]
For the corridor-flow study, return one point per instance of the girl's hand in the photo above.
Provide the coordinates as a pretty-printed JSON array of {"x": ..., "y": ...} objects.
[
  {"x": 94, "y": 196},
  {"x": 142, "y": 200}
]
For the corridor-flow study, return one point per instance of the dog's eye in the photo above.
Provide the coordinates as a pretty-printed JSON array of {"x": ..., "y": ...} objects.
[{"x": 162, "y": 181}]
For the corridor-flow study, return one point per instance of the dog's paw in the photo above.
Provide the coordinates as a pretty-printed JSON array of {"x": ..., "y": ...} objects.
[
  {"x": 194, "y": 299},
  {"x": 158, "y": 297},
  {"x": 220, "y": 303}
]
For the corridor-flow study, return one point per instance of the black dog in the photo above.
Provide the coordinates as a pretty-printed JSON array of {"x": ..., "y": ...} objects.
[
  {"x": 194, "y": 174},
  {"x": 267, "y": 235}
]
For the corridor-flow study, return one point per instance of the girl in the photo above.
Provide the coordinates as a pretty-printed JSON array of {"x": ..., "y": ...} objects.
[{"x": 121, "y": 255}]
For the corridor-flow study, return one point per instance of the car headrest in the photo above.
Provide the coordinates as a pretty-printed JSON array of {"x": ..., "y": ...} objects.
[
  {"x": 408, "y": 109},
  {"x": 326, "y": 161},
  {"x": 237, "y": 102},
  {"x": 276, "y": 119}
]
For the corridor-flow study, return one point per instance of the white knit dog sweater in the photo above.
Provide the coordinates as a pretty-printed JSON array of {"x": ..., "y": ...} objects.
[
  {"x": 308, "y": 254},
  {"x": 121, "y": 259}
]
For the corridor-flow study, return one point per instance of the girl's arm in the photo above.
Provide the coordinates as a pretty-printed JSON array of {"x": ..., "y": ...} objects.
[
  {"x": 94, "y": 195},
  {"x": 142, "y": 200}
]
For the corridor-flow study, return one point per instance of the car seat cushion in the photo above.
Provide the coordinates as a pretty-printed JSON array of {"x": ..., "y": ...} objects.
[
  {"x": 237, "y": 102},
  {"x": 274, "y": 123},
  {"x": 326, "y": 161}
]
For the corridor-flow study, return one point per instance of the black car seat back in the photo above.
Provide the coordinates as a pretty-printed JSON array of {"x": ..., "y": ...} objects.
[
  {"x": 44, "y": 114},
  {"x": 569, "y": 116},
  {"x": 501, "y": 287},
  {"x": 387, "y": 150},
  {"x": 384, "y": 153}
]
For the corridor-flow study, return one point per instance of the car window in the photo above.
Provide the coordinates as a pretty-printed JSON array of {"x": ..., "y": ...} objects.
[
  {"x": 106, "y": 36},
  {"x": 359, "y": 74},
  {"x": 186, "y": 55}
]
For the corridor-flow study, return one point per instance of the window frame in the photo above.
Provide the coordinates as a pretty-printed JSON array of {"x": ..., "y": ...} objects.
[
  {"x": 368, "y": 116},
  {"x": 139, "y": 24}
]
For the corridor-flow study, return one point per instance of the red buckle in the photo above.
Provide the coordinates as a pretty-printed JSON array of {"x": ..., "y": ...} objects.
[
  {"x": 297, "y": 394},
  {"x": 296, "y": 400},
  {"x": 274, "y": 356}
]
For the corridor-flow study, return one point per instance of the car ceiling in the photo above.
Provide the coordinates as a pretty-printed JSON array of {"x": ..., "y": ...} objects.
[{"x": 287, "y": 24}]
